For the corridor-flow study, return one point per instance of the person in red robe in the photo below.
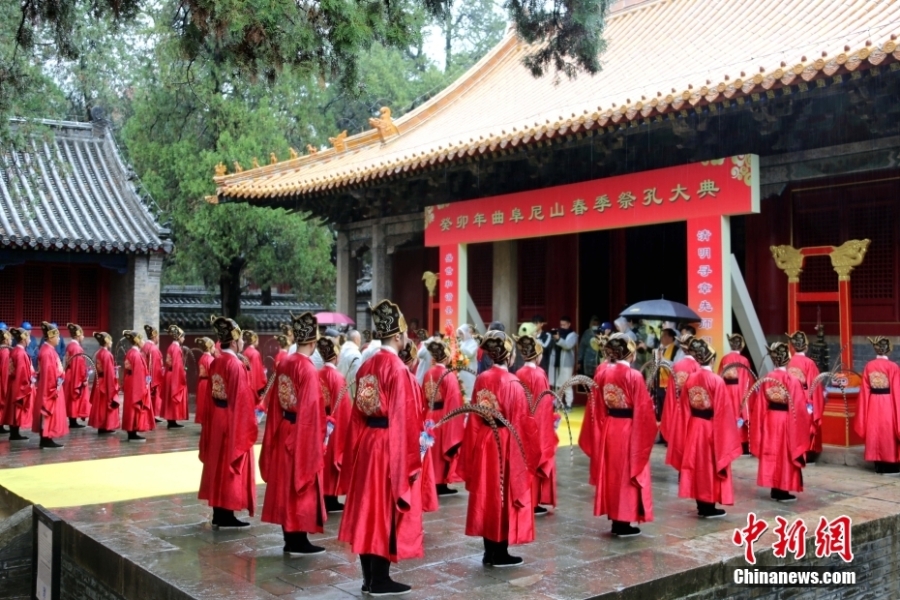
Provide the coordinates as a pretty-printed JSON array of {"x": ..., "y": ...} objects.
[
  {"x": 442, "y": 395},
  {"x": 201, "y": 398},
  {"x": 156, "y": 369},
  {"x": 673, "y": 423},
  {"x": 382, "y": 467},
  {"x": 257, "y": 369},
  {"x": 409, "y": 354},
  {"x": 780, "y": 429},
  {"x": 712, "y": 439},
  {"x": 335, "y": 395},
  {"x": 292, "y": 457},
  {"x": 5, "y": 373},
  {"x": 137, "y": 407},
  {"x": 617, "y": 435},
  {"x": 878, "y": 412},
  {"x": 284, "y": 342},
  {"x": 104, "y": 415},
  {"x": 20, "y": 390},
  {"x": 77, "y": 373},
  {"x": 535, "y": 380},
  {"x": 228, "y": 479},
  {"x": 805, "y": 370},
  {"x": 500, "y": 511},
  {"x": 737, "y": 381},
  {"x": 49, "y": 403},
  {"x": 175, "y": 396}
]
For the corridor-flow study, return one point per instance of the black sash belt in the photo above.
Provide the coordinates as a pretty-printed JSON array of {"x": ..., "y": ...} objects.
[
  {"x": 290, "y": 417},
  {"x": 438, "y": 405},
  {"x": 202, "y": 378},
  {"x": 881, "y": 391},
  {"x": 621, "y": 413},
  {"x": 128, "y": 371},
  {"x": 702, "y": 413},
  {"x": 377, "y": 422},
  {"x": 777, "y": 406},
  {"x": 99, "y": 375},
  {"x": 732, "y": 381},
  {"x": 220, "y": 403}
]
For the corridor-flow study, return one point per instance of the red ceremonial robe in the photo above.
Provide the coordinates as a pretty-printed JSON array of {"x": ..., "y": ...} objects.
[
  {"x": 6, "y": 374},
  {"x": 202, "y": 397},
  {"x": 20, "y": 391},
  {"x": 878, "y": 412},
  {"x": 448, "y": 437},
  {"x": 156, "y": 368},
  {"x": 737, "y": 382},
  {"x": 673, "y": 423},
  {"x": 292, "y": 456},
  {"x": 510, "y": 517},
  {"x": 49, "y": 405},
  {"x": 137, "y": 410},
  {"x": 335, "y": 392},
  {"x": 712, "y": 440},
  {"x": 780, "y": 433},
  {"x": 77, "y": 394},
  {"x": 535, "y": 379},
  {"x": 282, "y": 354},
  {"x": 105, "y": 393},
  {"x": 257, "y": 372},
  {"x": 175, "y": 396},
  {"x": 382, "y": 471},
  {"x": 803, "y": 368},
  {"x": 228, "y": 479},
  {"x": 619, "y": 445}
]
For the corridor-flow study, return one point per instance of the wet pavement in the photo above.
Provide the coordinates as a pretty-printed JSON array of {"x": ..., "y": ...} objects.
[{"x": 574, "y": 555}]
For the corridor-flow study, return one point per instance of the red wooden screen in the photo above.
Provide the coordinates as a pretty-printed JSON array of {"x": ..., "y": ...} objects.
[{"x": 59, "y": 294}]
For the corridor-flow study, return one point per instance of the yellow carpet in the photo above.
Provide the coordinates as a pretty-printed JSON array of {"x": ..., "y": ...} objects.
[
  {"x": 145, "y": 476},
  {"x": 107, "y": 480}
]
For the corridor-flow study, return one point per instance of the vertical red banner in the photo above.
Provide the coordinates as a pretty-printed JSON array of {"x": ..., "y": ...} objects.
[
  {"x": 709, "y": 278},
  {"x": 449, "y": 286}
]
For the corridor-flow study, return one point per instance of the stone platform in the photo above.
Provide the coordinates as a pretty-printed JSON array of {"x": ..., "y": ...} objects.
[{"x": 164, "y": 547}]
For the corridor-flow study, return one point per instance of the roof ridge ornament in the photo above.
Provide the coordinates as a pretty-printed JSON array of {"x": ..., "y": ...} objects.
[
  {"x": 385, "y": 124},
  {"x": 339, "y": 141}
]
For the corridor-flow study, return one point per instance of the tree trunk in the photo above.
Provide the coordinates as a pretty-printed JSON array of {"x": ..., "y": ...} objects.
[
  {"x": 230, "y": 288},
  {"x": 448, "y": 40}
]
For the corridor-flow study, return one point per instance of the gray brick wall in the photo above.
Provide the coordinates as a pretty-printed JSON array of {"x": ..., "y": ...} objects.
[{"x": 134, "y": 296}]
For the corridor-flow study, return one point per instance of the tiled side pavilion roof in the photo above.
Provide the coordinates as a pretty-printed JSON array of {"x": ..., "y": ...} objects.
[
  {"x": 663, "y": 57},
  {"x": 69, "y": 190}
]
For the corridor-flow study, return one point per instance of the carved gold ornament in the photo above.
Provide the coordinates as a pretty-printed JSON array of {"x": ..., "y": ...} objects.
[
  {"x": 339, "y": 141},
  {"x": 384, "y": 124},
  {"x": 789, "y": 260},
  {"x": 430, "y": 280},
  {"x": 848, "y": 256}
]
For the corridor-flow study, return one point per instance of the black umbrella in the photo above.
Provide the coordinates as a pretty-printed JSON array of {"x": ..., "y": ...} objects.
[{"x": 661, "y": 310}]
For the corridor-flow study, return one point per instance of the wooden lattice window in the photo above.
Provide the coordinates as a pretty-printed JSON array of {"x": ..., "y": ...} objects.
[
  {"x": 61, "y": 296},
  {"x": 874, "y": 279},
  {"x": 88, "y": 300},
  {"x": 33, "y": 294}
]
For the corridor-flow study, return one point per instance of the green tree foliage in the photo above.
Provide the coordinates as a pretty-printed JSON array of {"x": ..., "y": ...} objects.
[{"x": 469, "y": 29}]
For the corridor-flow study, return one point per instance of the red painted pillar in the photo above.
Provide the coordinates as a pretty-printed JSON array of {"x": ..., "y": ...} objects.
[
  {"x": 844, "y": 319},
  {"x": 793, "y": 305}
]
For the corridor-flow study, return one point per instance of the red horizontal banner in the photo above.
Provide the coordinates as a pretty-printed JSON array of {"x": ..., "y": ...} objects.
[{"x": 728, "y": 186}]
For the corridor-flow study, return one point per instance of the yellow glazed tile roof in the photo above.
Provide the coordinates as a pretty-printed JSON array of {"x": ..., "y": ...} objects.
[{"x": 662, "y": 56}]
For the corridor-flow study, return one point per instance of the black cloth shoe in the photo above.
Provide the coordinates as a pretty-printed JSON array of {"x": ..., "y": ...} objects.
[
  {"x": 488, "y": 558},
  {"x": 443, "y": 490},
  {"x": 3, "y": 430},
  {"x": 332, "y": 505},
  {"x": 502, "y": 557},
  {"x": 382, "y": 584},
  {"x": 174, "y": 425},
  {"x": 15, "y": 436},
  {"x": 624, "y": 529},
  {"x": 134, "y": 437},
  {"x": 782, "y": 496},
  {"x": 49, "y": 444},
  {"x": 708, "y": 510},
  {"x": 365, "y": 562},
  {"x": 74, "y": 424},
  {"x": 105, "y": 431},
  {"x": 225, "y": 518},
  {"x": 297, "y": 542},
  {"x": 540, "y": 510}
]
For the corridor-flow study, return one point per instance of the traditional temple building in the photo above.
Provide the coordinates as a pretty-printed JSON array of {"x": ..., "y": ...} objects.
[
  {"x": 714, "y": 128},
  {"x": 78, "y": 243}
]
